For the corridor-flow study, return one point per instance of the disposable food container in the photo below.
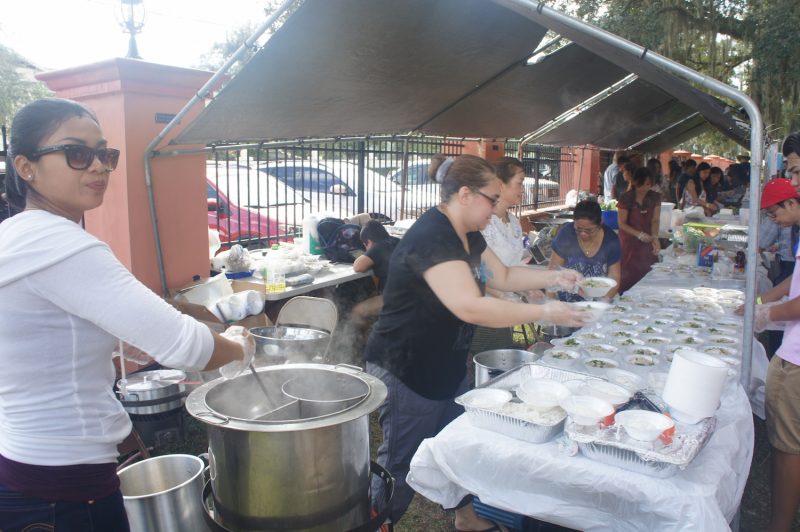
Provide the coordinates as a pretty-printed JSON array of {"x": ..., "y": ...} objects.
[
  {"x": 643, "y": 425},
  {"x": 593, "y": 310},
  {"x": 542, "y": 394},
  {"x": 586, "y": 409},
  {"x": 597, "y": 286}
]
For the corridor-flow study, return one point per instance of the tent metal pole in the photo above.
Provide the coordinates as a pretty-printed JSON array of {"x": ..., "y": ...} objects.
[
  {"x": 199, "y": 97},
  {"x": 541, "y": 14}
]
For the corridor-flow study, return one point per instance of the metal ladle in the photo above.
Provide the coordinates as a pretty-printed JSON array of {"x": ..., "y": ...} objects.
[{"x": 258, "y": 381}]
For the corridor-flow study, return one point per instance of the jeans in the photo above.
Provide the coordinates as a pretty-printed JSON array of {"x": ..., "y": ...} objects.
[
  {"x": 20, "y": 513},
  {"x": 406, "y": 419}
]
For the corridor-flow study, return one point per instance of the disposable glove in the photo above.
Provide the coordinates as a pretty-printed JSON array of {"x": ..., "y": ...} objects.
[
  {"x": 241, "y": 336},
  {"x": 761, "y": 319},
  {"x": 558, "y": 313},
  {"x": 567, "y": 279}
]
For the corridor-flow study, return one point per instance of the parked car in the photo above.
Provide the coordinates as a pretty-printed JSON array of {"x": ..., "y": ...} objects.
[
  {"x": 422, "y": 192},
  {"x": 320, "y": 189}
]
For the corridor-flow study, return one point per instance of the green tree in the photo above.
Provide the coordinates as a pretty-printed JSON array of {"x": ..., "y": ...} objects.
[
  {"x": 16, "y": 87},
  {"x": 750, "y": 44},
  {"x": 223, "y": 50}
]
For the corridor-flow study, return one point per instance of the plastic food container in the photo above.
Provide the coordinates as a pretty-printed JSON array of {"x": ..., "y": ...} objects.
[
  {"x": 597, "y": 286},
  {"x": 599, "y": 349},
  {"x": 569, "y": 342},
  {"x": 542, "y": 394},
  {"x": 593, "y": 309},
  {"x": 607, "y": 391},
  {"x": 600, "y": 363},
  {"x": 586, "y": 409},
  {"x": 628, "y": 380},
  {"x": 486, "y": 398},
  {"x": 643, "y": 425},
  {"x": 642, "y": 361}
]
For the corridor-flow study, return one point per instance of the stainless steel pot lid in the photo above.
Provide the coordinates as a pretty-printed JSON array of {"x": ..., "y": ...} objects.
[
  {"x": 154, "y": 380},
  {"x": 241, "y": 405}
]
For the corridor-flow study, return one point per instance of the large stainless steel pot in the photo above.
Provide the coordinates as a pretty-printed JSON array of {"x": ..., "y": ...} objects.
[
  {"x": 276, "y": 345},
  {"x": 164, "y": 494},
  {"x": 491, "y": 364},
  {"x": 153, "y": 392},
  {"x": 297, "y": 460}
]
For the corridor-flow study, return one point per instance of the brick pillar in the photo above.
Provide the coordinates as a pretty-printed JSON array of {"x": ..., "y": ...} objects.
[
  {"x": 489, "y": 150},
  {"x": 133, "y": 101}
]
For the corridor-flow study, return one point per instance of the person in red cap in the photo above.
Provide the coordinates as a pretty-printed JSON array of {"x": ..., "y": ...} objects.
[{"x": 781, "y": 202}]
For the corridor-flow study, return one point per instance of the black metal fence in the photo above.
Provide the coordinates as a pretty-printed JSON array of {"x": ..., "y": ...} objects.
[
  {"x": 261, "y": 195},
  {"x": 544, "y": 168}
]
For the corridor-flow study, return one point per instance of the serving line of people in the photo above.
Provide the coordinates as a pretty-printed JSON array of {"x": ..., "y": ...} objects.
[{"x": 60, "y": 422}]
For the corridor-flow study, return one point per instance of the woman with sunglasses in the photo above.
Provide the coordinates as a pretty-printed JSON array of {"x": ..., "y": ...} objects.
[
  {"x": 431, "y": 303},
  {"x": 587, "y": 246},
  {"x": 65, "y": 301}
]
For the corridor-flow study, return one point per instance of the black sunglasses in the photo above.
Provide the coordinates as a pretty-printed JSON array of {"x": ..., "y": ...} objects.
[{"x": 80, "y": 157}]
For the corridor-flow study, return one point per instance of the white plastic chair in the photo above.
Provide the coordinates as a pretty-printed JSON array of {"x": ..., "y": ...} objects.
[{"x": 305, "y": 311}]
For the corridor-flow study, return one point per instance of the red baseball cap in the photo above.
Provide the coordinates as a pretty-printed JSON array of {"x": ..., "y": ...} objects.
[{"x": 776, "y": 191}]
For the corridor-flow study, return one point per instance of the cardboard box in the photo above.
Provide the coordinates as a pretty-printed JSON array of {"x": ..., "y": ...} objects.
[{"x": 194, "y": 298}]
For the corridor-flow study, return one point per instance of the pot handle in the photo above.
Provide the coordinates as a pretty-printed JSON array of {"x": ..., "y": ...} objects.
[
  {"x": 223, "y": 420},
  {"x": 348, "y": 366},
  {"x": 378, "y": 519}
]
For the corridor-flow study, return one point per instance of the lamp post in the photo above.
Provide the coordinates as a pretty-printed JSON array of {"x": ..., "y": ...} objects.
[{"x": 131, "y": 18}]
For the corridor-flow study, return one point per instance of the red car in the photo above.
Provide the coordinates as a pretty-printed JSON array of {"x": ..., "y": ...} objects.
[{"x": 239, "y": 224}]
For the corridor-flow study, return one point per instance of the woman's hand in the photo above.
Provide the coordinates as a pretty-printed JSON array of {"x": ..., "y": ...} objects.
[
  {"x": 567, "y": 279},
  {"x": 558, "y": 313},
  {"x": 241, "y": 336},
  {"x": 656, "y": 247},
  {"x": 761, "y": 319},
  {"x": 644, "y": 237}
]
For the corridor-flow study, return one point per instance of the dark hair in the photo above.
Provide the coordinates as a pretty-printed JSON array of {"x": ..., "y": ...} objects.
[
  {"x": 674, "y": 169},
  {"x": 715, "y": 170},
  {"x": 507, "y": 167},
  {"x": 373, "y": 230},
  {"x": 622, "y": 158},
  {"x": 32, "y": 124},
  {"x": 630, "y": 167},
  {"x": 619, "y": 155},
  {"x": 588, "y": 210},
  {"x": 791, "y": 145},
  {"x": 689, "y": 163},
  {"x": 640, "y": 176},
  {"x": 703, "y": 166},
  {"x": 651, "y": 164},
  {"x": 465, "y": 171}
]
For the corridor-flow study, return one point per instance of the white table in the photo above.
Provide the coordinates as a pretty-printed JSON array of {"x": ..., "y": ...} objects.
[
  {"x": 544, "y": 482},
  {"x": 336, "y": 274}
]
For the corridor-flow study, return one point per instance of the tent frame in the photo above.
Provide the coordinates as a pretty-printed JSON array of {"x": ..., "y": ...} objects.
[{"x": 539, "y": 13}]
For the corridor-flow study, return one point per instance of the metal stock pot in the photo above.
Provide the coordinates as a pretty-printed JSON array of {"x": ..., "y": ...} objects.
[
  {"x": 153, "y": 392},
  {"x": 297, "y": 459},
  {"x": 491, "y": 364}
]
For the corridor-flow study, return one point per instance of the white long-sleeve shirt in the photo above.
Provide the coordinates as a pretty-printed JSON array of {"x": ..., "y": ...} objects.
[{"x": 64, "y": 301}]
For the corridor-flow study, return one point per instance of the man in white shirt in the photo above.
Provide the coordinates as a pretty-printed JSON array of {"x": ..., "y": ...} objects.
[{"x": 610, "y": 173}]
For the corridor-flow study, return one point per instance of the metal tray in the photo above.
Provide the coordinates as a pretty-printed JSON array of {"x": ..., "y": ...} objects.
[
  {"x": 515, "y": 427},
  {"x": 611, "y": 445}
]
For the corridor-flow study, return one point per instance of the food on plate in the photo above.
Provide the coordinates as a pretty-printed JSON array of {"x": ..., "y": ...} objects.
[
  {"x": 572, "y": 342},
  {"x": 641, "y": 360},
  {"x": 626, "y": 379},
  {"x": 656, "y": 340},
  {"x": 531, "y": 414},
  {"x": 623, "y": 321},
  {"x": 562, "y": 354},
  {"x": 649, "y": 330},
  {"x": 629, "y": 341},
  {"x": 649, "y": 351},
  {"x": 601, "y": 348},
  {"x": 621, "y": 333},
  {"x": 602, "y": 363},
  {"x": 722, "y": 340},
  {"x": 719, "y": 350}
]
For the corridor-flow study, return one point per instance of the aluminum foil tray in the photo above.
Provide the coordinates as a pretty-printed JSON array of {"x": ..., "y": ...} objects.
[
  {"x": 515, "y": 427},
  {"x": 611, "y": 445}
]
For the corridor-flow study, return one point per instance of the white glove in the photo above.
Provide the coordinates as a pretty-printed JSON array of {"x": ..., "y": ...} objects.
[
  {"x": 241, "y": 336},
  {"x": 567, "y": 279},
  {"x": 559, "y": 313},
  {"x": 761, "y": 319},
  {"x": 133, "y": 354}
]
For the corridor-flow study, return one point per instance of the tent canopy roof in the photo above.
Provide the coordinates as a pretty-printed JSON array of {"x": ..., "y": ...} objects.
[{"x": 448, "y": 67}]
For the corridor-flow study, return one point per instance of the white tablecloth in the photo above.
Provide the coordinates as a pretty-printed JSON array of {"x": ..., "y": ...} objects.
[{"x": 573, "y": 491}]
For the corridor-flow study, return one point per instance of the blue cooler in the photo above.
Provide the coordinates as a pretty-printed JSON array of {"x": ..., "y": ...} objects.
[{"x": 611, "y": 220}]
